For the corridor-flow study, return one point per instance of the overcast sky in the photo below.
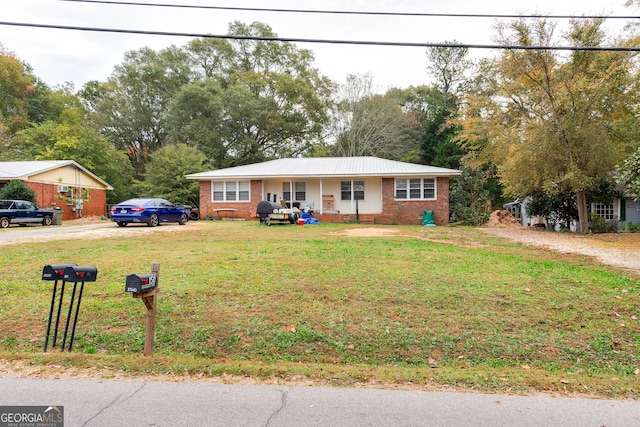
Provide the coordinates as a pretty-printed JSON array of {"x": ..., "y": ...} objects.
[{"x": 59, "y": 56}]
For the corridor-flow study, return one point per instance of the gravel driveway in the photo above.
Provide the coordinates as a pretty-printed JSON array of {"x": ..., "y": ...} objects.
[{"x": 616, "y": 249}]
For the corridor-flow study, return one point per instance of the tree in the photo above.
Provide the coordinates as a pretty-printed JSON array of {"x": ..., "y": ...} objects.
[
  {"x": 17, "y": 190},
  {"x": 130, "y": 108},
  {"x": 15, "y": 86},
  {"x": 449, "y": 67},
  {"x": 275, "y": 101},
  {"x": 548, "y": 122},
  {"x": 166, "y": 173},
  {"x": 196, "y": 118},
  {"x": 367, "y": 124},
  {"x": 69, "y": 135}
]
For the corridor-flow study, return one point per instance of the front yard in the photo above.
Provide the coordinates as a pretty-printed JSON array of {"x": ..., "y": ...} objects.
[{"x": 420, "y": 307}]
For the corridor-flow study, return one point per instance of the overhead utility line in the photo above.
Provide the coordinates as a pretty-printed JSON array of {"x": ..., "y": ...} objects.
[
  {"x": 346, "y": 12},
  {"x": 324, "y": 41}
]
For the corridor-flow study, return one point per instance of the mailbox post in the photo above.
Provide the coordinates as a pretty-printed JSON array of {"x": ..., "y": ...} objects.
[
  {"x": 67, "y": 273},
  {"x": 76, "y": 274},
  {"x": 54, "y": 273},
  {"x": 145, "y": 287}
]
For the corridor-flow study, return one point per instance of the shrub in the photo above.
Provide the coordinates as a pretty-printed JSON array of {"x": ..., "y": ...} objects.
[
  {"x": 598, "y": 224},
  {"x": 17, "y": 189},
  {"x": 633, "y": 228}
]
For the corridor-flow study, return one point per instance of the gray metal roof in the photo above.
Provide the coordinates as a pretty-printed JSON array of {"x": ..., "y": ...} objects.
[
  {"x": 25, "y": 169},
  {"x": 326, "y": 167}
]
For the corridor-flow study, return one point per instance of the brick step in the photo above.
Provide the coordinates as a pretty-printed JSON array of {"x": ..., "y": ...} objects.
[{"x": 367, "y": 219}]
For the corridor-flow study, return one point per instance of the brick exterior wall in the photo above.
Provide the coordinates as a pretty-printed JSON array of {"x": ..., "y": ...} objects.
[
  {"x": 394, "y": 211},
  {"x": 47, "y": 197},
  {"x": 411, "y": 211},
  {"x": 245, "y": 210}
]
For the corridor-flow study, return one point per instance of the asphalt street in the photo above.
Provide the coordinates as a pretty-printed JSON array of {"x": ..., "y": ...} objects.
[{"x": 101, "y": 403}]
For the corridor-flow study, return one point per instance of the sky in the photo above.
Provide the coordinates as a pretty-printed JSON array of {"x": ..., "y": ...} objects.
[{"x": 61, "y": 56}]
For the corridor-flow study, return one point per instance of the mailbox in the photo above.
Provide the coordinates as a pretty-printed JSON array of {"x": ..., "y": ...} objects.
[
  {"x": 55, "y": 271},
  {"x": 137, "y": 283},
  {"x": 77, "y": 273}
]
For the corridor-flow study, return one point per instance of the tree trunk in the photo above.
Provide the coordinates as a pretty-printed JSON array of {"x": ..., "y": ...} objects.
[{"x": 583, "y": 219}]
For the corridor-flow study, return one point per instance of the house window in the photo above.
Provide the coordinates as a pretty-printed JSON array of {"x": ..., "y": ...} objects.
[
  {"x": 352, "y": 190},
  {"x": 415, "y": 188},
  {"x": 603, "y": 210},
  {"x": 230, "y": 191},
  {"x": 299, "y": 188}
]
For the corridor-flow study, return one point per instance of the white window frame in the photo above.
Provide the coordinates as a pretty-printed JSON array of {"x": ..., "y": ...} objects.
[
  {"x": 605, "y": 210},
  {"x": 241, "y": 191},
  {"x": 415, "y": 187}
]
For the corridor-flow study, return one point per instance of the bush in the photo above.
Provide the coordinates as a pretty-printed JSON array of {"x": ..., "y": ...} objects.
[
  {"x": 633, "y": 228},
  {"x": 598, "y": 224},
  {"x": 17, "y": 190}
]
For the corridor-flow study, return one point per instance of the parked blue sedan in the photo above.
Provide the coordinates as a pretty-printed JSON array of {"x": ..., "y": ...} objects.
[{"x": 150, "y": 211}]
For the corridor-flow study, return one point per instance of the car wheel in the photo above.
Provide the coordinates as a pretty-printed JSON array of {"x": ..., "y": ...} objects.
[
  {"x": 194, "y": 216},
  {"x": 47, "y": 220},
  {"x": 121, "y": 224},
  {"x": 4, "y": 222},
  {"x": 183, "y": 219},
  {"x": 153, "y": 220}
]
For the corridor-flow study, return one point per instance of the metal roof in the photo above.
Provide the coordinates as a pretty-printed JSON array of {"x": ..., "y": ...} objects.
[
  {"x": 326, "y": 167},
  {"x": 25, "y": 169}
]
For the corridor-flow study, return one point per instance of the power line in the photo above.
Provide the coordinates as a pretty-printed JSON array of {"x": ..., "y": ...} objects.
[
  {"x": 346, "y": 12},
  {"x": 324, "y": 41}
]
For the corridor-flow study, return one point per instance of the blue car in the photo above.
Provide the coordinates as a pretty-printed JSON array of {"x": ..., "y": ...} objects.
[{"x": 148, "y": 211}]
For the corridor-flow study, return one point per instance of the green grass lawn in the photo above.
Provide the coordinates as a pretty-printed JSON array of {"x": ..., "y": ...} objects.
[{"x": 431, "y": 307}]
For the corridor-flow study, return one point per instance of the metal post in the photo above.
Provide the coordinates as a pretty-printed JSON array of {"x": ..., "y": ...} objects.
[
  {"x": 75, "y": 319},
  {"x": 55, "y": 331},
  {"x": 66, "y": 328},
  {"x": 53, "y": 301}
]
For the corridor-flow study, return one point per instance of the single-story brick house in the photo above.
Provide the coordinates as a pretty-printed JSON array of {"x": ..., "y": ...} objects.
[
  {"x": 338, "y": 189},
  {"x": 60, "y": 183}
]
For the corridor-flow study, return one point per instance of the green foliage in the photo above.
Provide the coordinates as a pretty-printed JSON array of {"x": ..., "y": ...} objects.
[
  {"x": 551, "y": 122},
  {"x": 166, "y": 172},
  {"x": 195, "y": 118},
  {"x": 629, "y": 175},
  {"x": 470, "y": 199},
  {"x": 67, "y": 135},
  {"x": 17, "y": 190},
  {"x": 558, "y": 209},
  {"x": 598, "y": 224},
  {"x": 130, "y": 109},
  {"x": 15, "y": 86},
  {"x": 633, "y": 228}
]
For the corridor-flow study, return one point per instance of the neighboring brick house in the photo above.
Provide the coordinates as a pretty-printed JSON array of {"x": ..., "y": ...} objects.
[
  {"x": 60, "y": 183},
  {"x": 339, "y": 189}
]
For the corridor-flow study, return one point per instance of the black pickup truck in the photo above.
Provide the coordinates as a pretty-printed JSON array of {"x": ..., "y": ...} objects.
[{"x": 23, "y": 213}]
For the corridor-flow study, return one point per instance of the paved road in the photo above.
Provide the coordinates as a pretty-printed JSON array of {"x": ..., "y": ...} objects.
[{"x": 100, "y": 403}]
